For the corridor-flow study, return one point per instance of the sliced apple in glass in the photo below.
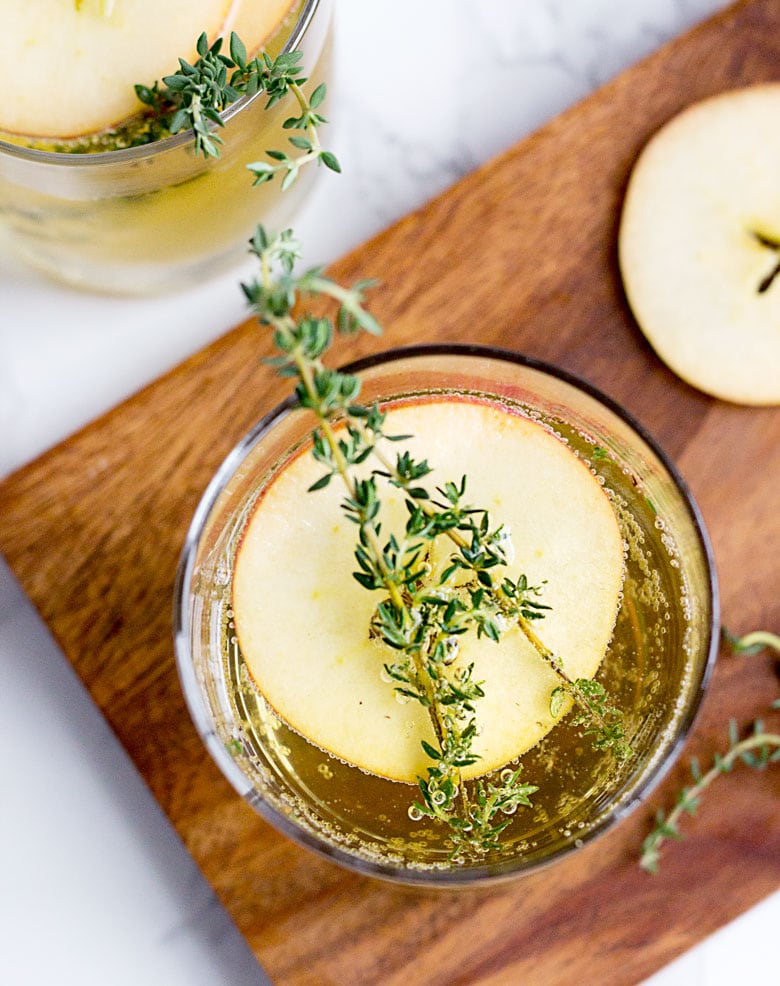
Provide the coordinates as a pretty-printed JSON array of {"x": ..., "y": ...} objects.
[
  {"x": 302, "y": 620},
  {"x": 69, "y": 69},
  {"x": 699, "y": 244}
]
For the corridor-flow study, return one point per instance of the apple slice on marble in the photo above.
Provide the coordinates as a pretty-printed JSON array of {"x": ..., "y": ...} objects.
[
  {"x": 699, "y": 244},
  {"x": 302, "y": 620}
]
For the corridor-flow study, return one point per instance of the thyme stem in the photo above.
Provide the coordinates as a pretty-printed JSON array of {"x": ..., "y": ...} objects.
[{"x": 667, "y": 826}]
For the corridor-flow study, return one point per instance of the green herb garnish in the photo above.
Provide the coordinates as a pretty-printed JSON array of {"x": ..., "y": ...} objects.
[
  {"x": 757, "y": 749},
  {"x": 195, "y": 97},
  {"x": 427, "y": 608},
  {"x": 425, "y": 611}
]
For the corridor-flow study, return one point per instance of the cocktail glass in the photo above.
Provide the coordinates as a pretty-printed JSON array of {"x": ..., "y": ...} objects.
[
  {"x": 656, "y": 668},
  {"x": 157, "y": 216}
]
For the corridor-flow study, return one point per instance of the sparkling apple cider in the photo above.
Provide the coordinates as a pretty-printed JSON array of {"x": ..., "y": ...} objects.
[{"x": 646, "y": 669}]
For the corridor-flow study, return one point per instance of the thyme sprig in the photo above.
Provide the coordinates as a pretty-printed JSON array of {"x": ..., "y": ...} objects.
[
  {"x": 603, "y": 721},
  {"x": 756, "y": 750},
  {"x": 431, "y": 599},
  {"x": 514, "y": 604},
  {"x": 426, "y": 610},
  {"x": 196, "y": 96}
]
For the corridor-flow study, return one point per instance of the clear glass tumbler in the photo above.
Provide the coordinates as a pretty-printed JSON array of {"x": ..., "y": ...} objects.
[
  {"x": 157, "y": 217},
  {"x": 656, "y": 668}
]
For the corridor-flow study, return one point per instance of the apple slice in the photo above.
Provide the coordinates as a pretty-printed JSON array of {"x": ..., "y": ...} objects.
[
  {"x": 302, "y": 620},
  {"x": 699, "y": 244},
  {"x": 68, "y": 68},
  {"x": 256, "y": 22}
]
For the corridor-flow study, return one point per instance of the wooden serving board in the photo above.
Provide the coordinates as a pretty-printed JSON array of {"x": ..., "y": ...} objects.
[{"x": 93, "y": 530}]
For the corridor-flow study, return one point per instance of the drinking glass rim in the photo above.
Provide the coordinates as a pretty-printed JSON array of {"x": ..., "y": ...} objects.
[
  {"x": 455, "y": 877},
  {"x": 67, "y": 159}
]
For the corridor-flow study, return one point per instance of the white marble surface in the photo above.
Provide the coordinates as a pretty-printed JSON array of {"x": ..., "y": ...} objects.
[{"x": 95, "y": 886}]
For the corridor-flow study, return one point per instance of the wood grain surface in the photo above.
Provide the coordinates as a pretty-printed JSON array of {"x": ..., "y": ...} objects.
[{"x": 93, "y": 531}]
